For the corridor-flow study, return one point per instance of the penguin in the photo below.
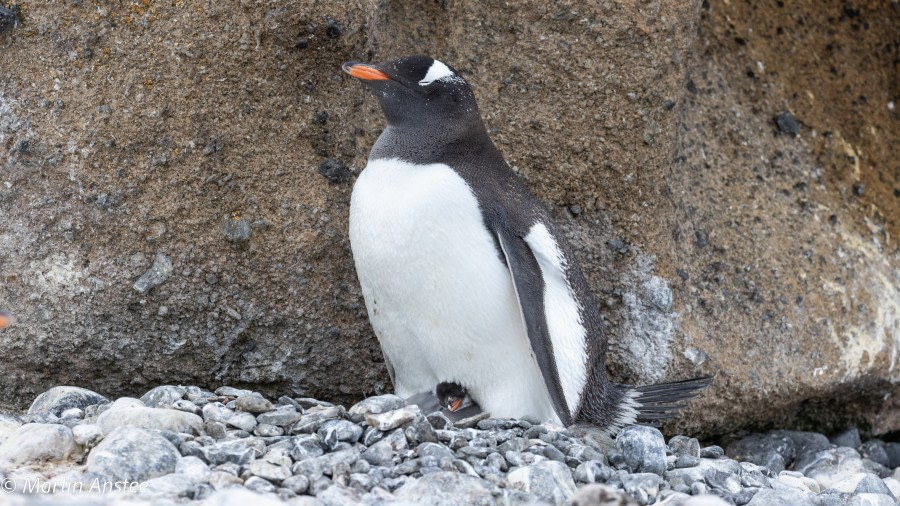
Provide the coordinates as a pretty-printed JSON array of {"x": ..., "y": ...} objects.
[
  {"x": 452, "y": 396},
  {"x": 466, "y": 277}
]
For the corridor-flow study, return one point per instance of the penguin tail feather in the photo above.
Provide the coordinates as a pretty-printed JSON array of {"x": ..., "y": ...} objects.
[{"x": 653, "y": 404}]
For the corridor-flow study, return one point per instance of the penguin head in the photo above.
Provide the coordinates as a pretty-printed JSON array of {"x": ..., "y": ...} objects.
[
  {"x": 452, "y": 396},
  {"x": 417, "y": 90}
]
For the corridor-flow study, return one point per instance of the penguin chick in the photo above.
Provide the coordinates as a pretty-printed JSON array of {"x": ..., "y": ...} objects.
[{"x": 453, "y": 396}]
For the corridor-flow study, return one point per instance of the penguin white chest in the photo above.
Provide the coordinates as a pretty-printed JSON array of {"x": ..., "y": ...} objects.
[{"x": 439, "y": 297}]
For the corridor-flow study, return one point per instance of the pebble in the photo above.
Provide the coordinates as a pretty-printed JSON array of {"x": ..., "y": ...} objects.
[
  {"x": 87, "y": 434},
  {"x": 133, "y": 454},
  {"x": 874, "y": 450},
  {"x": 786, "y": 124},
  {"x": 682, "y": 445},
  {"x": 334, "y": 171},
  {"x": 58, "y": 399},
  {"x": 774, "y": 451},
  {"x": 297, "y": 484},
  {"x": 334, "y": 432},
  {"x": 261, "y": 485},
  {"x": 156, "y": 275},
  {"x": 149, "y": 418},
  {"x": 392, "y": 419},
  {"x": 466, "y": 489},
  {"x": 243, "y": 420},
  {"x": 234, "y": 442},
  {"x": 375, "y": 405},
  {"x": 194, "y": 469},
  {"x": 236, "y": 230},
  {"x": 280, "y": 417},
  {"x": 238, "y": 451},
  {"x": 549, "y": 480},
  {"x": 253, "y": 404},
  {"x": 273, "y": 472},
  {"x": 644, "y": 449},
  {"x": 38, "y": 442},
  {"x": 266, "y": 430},
  {"x": 162, "y": 396},
  {"x": 8, "y": 18},
  {"x": 848, "y": 437}
]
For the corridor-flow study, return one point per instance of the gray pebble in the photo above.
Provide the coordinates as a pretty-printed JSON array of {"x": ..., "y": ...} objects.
[
  {"x": 874, "y": 450},
  {"x": 722, "y": 481},
  {"x": 257, "y": 484},
  {"x": 371, "y": 436},
  {"x": 593, "y": 471},
  {"x": 375, "y": 405},
  {"x": 304, "y": 447},
  {"x": 390, "y": 420},
  {"x": 687, "y": 461},
  {"x": 439, "y": 420},
  {"x": 333, "y": 432},
  {"x": 194, "y": 469},
  {"x": 37, "y": 442},
  {"x": 216, "y": 412},
  {"x": 133, "y": 454},
  {"x": 549, "y": 480},
  {"x": 156, "y": 275},
  {"x": 280, "y": 417},
  {"x": 435, "y": 450},
  {"x": 644, "y": 449},
  {"x": 238, "y": 451},
  {"x": 642, "y": 486},
  {"x": 269, "y": 471},
  {"x": 466, "y": 489},
  {"x": 236, "y": 230},
  {"x": 712, "y": 452},
  {"x": 253, "y": 404},
  {"x": 683, "y": 445},
  {"x": 848, "y": 437},
  {"x": 215, "y": 430},
  {"x": 162, "y": 396},
  {"x": 58, "y": 399},
  {"x": 379, "y": 454},
  {"x": 228, "y": 391},
  {"x": 187, "y": 406},
  {"x": 297, "y": 483},
  {"x": 266, "y": 430},
  {"x": 774, "y": 451}
]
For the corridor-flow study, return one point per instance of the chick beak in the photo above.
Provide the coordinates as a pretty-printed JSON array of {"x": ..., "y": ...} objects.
[
  {"x": 364, "y": 72},
  {"x": 455, "y": 405}
]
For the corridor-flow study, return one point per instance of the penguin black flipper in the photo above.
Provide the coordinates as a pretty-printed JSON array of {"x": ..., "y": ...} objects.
[{"x": 525, "y": 273}]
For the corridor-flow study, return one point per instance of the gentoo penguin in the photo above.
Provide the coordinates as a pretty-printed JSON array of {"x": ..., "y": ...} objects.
[
  {"x": 465, "y": 276},
  {"x": 452, "y": 396}
]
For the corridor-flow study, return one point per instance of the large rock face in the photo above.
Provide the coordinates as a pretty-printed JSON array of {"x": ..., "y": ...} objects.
[{"x": 175, "y": 180}]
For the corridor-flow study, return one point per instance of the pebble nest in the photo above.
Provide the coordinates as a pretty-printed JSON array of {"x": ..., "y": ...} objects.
[{"x": 180, "y": 444}]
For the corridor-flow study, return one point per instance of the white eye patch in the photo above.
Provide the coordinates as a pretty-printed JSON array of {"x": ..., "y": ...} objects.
[{"x": 436, "y": 72}]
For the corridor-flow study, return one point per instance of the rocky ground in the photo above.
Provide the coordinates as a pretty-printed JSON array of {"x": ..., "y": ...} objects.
[
  {"x": 175, "y": 179},
  {"x": 233, "y": 446}
]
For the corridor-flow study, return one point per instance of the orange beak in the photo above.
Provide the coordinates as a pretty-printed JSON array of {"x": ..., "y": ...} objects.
[
  {"x": 364, "y": 72},
  {"x": 455, "y": 405},
  {"x": 5, "y": 320}
]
